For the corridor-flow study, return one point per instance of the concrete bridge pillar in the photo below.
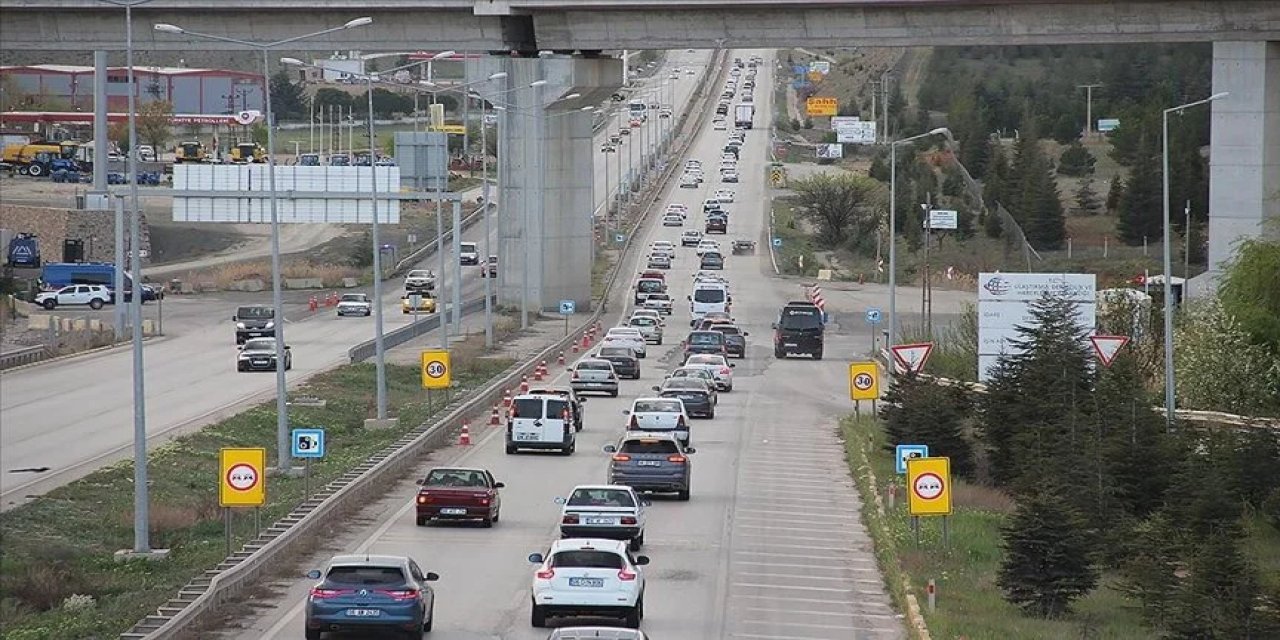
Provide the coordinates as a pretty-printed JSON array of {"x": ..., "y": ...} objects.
[
  {"x": 546, "y": 174},
  {"x": 1244, "y": 175}
]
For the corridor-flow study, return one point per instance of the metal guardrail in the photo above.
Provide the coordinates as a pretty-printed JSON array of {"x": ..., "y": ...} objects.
[
  {"x": 397, "y": 337},
  {"x": 23, "y": 356},
  {"x": 350, "y": 491}
]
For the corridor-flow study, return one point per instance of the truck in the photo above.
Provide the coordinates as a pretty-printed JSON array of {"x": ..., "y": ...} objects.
[
  {"x": 40, "y": 158},
  {"x": 743, "y": 114},
  {"x": 189, "y": 151},
  {"x": 246, "y": 152}
]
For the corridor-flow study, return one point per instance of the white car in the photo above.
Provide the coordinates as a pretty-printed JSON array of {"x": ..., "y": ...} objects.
[
  {"x": 719, "y": 367},
  {"x": 647, "y": 313},
  {"x": 650, "y": 328},
  {"x": 468, "y": 253},
  {"x": 719, "y": 125},
  {"x": 692, "y": 164},
  {"x": 354, "y": 304},
  {"x": 706, "y": 246},
  {"x": 420, "y": 280},
  {"x": 672, "y": 220},
  {"x": 94, "y": 295},
  {"x": 662, "y": 246},
  {"x": 659, "y": 414},
  {"x": 690, "y": 238},
  {"x": 678, "y": 209},
  {"x": 615, "y": 512},
  {"x": 688, "y": 181},
  {"x": 626, "y": 337},
  {"x": 659, "y": 302},
  {"x": 729, "y": 176},
  {"x": 725, "y": 195},
  {"x": 588, "y": 577}
]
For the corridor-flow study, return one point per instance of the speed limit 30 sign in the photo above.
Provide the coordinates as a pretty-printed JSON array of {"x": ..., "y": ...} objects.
[
  {"x": 864, "y": 381},
  {"x": 436, "y": 372},
  {"x": 929, "y": 486}
]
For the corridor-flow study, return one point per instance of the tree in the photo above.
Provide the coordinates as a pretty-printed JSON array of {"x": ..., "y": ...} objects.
[
  {"x": 846, "y": 208},
  {"x": 118, "y": 133},
  {"x": 287, "y": 101},
  {"x": 326, "y": 97},
  {"x": 1219, "y": 367},
  {"x": 1249, "y": 292},
  {"x": 362, "y": 251},
  {"x": 154, "y": 124},
  {"x": 1035, "y": 200},
  {"x": 1114, "y": 194},
  {"x": 1048, "y": 563},
  {"x": 1075, "y": 161},
  {"x": 1087, "y": 202},
  {"x": 918, "y": 412},
  {"x": 1140, "y": 208}
]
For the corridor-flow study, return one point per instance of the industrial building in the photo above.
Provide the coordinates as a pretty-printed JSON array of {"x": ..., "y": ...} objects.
[{"x": 206, "y": 91}]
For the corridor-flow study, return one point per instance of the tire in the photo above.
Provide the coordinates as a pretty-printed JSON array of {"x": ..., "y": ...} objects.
[
  {"x": 817, "y": 356},
  {"x": 729, "y": 389},
  {"x": 711, "y": 415},
  {"x": 779, "y": 354},
  {"x": 431, "y": 618},
  {"x": 496, "y": 514},
  {"x": 683, "y": 496},
  {"x": 23, "y": 170},
  {"x": 636, "y": 542},
  {"x": 35, "y": 171},
  {"x": 538, "y": 617},
  {"x": 314, "y": 634},
  {"x": 50, "y": 303},
  {"x": 511, "y": 449},
  {"x": 613, "y": 393},
  {"x": 632, "y": 619},
  {"x": 95, "y": 304},
  {"x": 422, "y": 521},
  {"x": 288, "y": 365},
  {"x": 487, "y": 523}
]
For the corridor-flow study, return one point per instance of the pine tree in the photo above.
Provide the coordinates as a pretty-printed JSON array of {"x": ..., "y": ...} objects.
[
  {"x": 994, "y": 185},
  {"x": 1217, "y": 600},
  {"x": 1087, "y": 203},
  {"x": 1075, "y": 161},
  {"x": 1141, "y": 210},
  {"x": 1114, "y": 195},
  {"x": 1046, "y": 226},
  {"x": 918, "y": 412},
  {"x": 1149, "y": 574},
  {"x": 1048, "y": 562}
]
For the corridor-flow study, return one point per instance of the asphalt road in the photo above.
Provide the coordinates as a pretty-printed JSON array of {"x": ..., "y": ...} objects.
[
  {"x": 75, "y": 415},
  {"x": 769, "y": 548}
]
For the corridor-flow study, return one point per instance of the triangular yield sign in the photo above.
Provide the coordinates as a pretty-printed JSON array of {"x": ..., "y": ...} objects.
[
  {"x": 912, "y": 356},
  {"x": 1107, "y": 347}
]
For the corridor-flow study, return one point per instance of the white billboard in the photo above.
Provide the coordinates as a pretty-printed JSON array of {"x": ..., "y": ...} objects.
[
  {"x": 1004, "y": 301},
  {"x": 830, "y": 151},
  {"x": 855, "y": 132},
  {"x": 323, "y": 195}
]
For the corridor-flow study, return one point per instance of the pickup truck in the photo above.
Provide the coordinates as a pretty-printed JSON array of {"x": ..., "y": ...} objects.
[{"x": 458, "y": 493}]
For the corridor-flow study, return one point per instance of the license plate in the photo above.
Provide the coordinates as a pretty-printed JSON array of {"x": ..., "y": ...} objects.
[
  {"x": 586, "y": 582},
  {"x": 526, "y": 437},
  {"x": 364, "y": 613},
  {"x": 605, "y": 521},
  {"x": 453, "y": 512},
  {"x": 649, "y": 463}
]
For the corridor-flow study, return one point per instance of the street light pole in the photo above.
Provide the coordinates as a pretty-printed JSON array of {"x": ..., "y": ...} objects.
[
  {"x": 1168, "y": 263},
  {"x": 485, "y": 212},
  {"x": 893, "y": 223},
  {"x": 380, "y": 365}
]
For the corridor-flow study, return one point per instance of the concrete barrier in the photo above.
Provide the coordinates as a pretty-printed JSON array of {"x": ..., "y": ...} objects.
[
  {"x": 242, "y": 285},
  {"x": 350, "y": 283},
  {"x": 39, "y": 321},
  {"x": 209, "y": 285},
  {"x": 303, "y": 283}
]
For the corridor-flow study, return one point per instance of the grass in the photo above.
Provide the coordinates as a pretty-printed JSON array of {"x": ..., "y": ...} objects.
[
  {"x": 58, "y": 549},
  {"x": 224, "y": 275},
  {"x": 796, "y": 243},
  {"x": 970, "y": 604}
]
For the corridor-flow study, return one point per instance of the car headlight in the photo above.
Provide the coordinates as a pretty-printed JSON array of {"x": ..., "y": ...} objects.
[
  {"x": 270, "y": 325},
  {"x": 239, "y": 325}
]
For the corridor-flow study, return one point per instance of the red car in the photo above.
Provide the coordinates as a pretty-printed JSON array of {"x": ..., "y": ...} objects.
[{"x": 458, "y": 494}]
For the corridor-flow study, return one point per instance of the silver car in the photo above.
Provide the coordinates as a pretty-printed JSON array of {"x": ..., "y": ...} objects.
[
  {"x": 650, "y": 328},
  {"x": 594, "y": 374}
]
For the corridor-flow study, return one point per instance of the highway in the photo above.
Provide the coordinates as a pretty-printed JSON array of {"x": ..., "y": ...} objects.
[
  {"x": 75, "y": 415},
  {"x": 770, "y": 547}
]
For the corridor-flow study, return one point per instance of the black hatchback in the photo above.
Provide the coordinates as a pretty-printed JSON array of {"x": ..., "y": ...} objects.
[
  {"x": 712, "y": 260},
  {"x": 625, "y": 362},
  {"x": 735, "y": 339}
]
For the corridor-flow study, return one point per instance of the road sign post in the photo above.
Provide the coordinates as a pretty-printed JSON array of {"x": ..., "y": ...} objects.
[
  {"x": 912, "y": 357},
  {"x": 864, "y": 384},
  {"x": 567, "y": 308},
  {"x": 436, "y": 370},
  {"x": 873, "y": 318},
  {"x": 928, "y": 491},
  {"x": 904, "y": 452},
  {"x": 242, "y": 476},
  {"x": 307, "y": 444},
  {"x": 1107, "y": 347}
]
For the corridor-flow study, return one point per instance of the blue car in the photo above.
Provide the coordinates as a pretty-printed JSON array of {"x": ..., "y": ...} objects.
[{"x": 368, "y": 593}]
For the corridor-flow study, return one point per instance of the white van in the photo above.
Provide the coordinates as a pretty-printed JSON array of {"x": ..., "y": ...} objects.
[
  {"x": 708, "y": 297},
  {"x": 541, "y": 422}
]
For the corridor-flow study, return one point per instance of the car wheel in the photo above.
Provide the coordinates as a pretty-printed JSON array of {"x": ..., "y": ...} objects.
[
  {"x": 817, "y": 356},
  {"x": 538, "y": 617},
  {"x": 683, "y": 495},
  {"x": 632, "y": 619},
  {"x": 95, "y": 304},
  {"x": 636, "y": 543},
  {"x": 711, "y": 415},
  {"x": 497, "y": 514},
  {"x": 729, "y": 389},
  {"x": 779, "y": 355},
  {"x": 487, "y": 523},
  {"x": 314, "y": 634},
  {"x": 49, "y": 304},
  {"x": 511, "y": 449},
  {"x": 422, "y": 521},
  {"x": 659, "y": 342}
]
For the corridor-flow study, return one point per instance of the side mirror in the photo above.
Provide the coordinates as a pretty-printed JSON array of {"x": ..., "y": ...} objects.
[
  {"x": 645, "y": 502},
  {"x": 314, "y": 574},
  {"x": 559, "y": 500},
  {"x": 690, "y": 450},
  {"x": 233, "y": 318},
  {"x": 745, "y": 334},
  {"x": 536, "y": 558},
  {"x": 626, "y": 412},
  {"x": 287, "y": 347},
  {"x": 499, "y": 485},
  {"x": 239, "y": 347},
  {"x": 655, "y": 388},
  {"x": 608, "y": 448},
  {"x": 775, "y": 325},
  {"x": 432, "y": 576},
  {"x": 732, "y": 365},
  {"x": 642, "y": 560},
  {"x": 689, "y": 298},
  {"x": 420, "y": 481}
]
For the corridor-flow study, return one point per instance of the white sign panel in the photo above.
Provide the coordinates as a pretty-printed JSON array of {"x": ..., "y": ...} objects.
[
  {"x": 830, "y": 151},
  {"x": 856, "y": 132},
  {"x": 347, "y": 194},
  {"x": 1004, "y": 302},
  {"x": 1108, "y": 124},
  {"x": 943, "y": 219},
  {"x": 821, "y": 66}
]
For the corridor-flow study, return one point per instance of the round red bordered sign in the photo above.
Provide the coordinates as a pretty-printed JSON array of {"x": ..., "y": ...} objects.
[
  {"x": 928, "y": 486},
  {"x": 242, "y": 477},
  {"x": 863, "y": 381}
]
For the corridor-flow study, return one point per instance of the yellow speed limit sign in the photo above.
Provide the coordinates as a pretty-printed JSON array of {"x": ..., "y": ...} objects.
[
  {"x": 436, "y": 372},
  {"x": 864, "y": 381}
]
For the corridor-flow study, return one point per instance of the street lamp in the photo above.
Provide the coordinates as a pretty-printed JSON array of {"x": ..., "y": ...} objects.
[
  {"x": 283, "y": 462},
  {"x": 1168, "y": 262},
  {"x": 893, "y": 223}
]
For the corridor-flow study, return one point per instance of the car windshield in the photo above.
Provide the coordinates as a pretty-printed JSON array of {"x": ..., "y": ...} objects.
[
  {"x": 366, "y": 576},
  {"x": 643, "y": 321},
  {"x": 710, "y": 296},
  {"x": 706, "y": 337},
  {"x": 260, "y": 344},
  {"x": 617, "y": 352},
  {"x": 586, "y": 559},
  {"x": 649, "y": 445},
  {"x": 691, "y": 373},
  {"x": 354, "y": 297},
  {"x": 801, "y": 318},
  {"x": 601, "y": 498},
  {"x": 655, "y": 406},
  {"x": 419, "y": 274},
  {"x": 255, "y": 313},
  {"x": 468, "y": 247},
  {"x": 659, "y": 296},
  {"x": 455, "y": 478},
  {"x": 649, "y": 286}
]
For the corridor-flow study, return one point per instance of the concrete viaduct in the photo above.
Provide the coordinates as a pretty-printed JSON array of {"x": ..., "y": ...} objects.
[{"x": 1245, "y": 146}]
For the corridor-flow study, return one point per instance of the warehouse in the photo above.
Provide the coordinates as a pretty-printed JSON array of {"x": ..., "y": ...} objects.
[{"x": 206, "y": 91}]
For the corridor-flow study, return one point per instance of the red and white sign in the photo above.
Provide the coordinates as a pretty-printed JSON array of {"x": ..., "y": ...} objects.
[
  {"x": 1106, "y": 347},
  {"x": 928, "y": 486},
  {"x": 911, "y": 357},
  {"x": 242, "y": 477}
]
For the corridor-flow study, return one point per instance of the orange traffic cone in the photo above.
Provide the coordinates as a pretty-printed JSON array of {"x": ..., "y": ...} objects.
[
  {"x": 537, "y": 374},
  {"x": 464, "y": 438},
  {"x": 575, "y": 346},
  {"x": 506, "y": 398},
  {"x": 524, "y": 384},
  {"x": 495, "y": 418},
  {"x": 560, "y": 360}
]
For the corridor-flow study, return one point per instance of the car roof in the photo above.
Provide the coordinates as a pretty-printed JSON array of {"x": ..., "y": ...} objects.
[
  {"x": 606, "y": 486},
  {"x": 367, "y": 561},
  {"x": 596, "y": 360},
  {"x": 650, "y": 435},
  {"x": 456, "y": 469},
  {"x": 601, "y": 544},
  {"x": 550, "y": 391}
]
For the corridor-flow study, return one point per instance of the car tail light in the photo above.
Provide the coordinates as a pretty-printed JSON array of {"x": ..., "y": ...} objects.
[
  {"x": 680, "y": 423},
  {"x": 621, "y": 457},
  {"x": 569, "y": 518},
  {"x": 423, "y": 498},
  {"x": 322, "y": 594},
  {"x": 635, "y": 423},
  {"x": 628, "y": 520},
  {"x": 726, "y": 370},
  {"x": 402, "y": 594},
  {"x": 677, "y": 459},
  {"x": 484, "y": 502},
  {"x": 626, "y": 576},
  {"x": 546, "y": 574}
]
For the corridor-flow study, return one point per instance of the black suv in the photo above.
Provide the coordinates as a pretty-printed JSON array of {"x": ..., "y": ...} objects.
[
  {"x": 717, "y": 224},
  {"x": 799, "y": 329},
  {"x": 254, "y": 321}
]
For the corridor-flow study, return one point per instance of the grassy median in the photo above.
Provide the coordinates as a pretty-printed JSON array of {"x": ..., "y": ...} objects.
[
  {"x": 58, "y": 578},
  {"x": 969, "y": 604}
]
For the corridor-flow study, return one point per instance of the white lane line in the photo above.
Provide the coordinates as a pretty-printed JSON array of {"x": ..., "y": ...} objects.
[
  {"x": 793, "y": 538},
  {"x": 804, "y": 612},
  {"x": 770, "y": 526},
  {"x": 843, "y": 557},
  {"x": 807, "y": 567},
  {"x": 756, "y": 636},
  {"x": 789, "y": 624},
  {"x": 791, "y": 576},
  {"x": 775, "y": 599},
  {"x": 807, "y": 547},
  {"x": 773, "y": 515},
  {"x": 792, "y": 501},
  {"x": 754, "y": 585}
]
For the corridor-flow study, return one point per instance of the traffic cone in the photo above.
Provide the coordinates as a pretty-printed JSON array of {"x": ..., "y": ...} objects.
[
  {"x": 586, "y": 340},
  {"x": 524, "y": 384},
  {"x": 495, "y": 418},
  {"x": 311, "y": 304},
  {"x": 543, "y": 365},
  {"x": 575, "y": 346},
  {"x": 560, "y": 360},
  {"x": 537, "y": 374},
  {"x": 464, "y": 438},
  {"x": 506, "y": 398}
]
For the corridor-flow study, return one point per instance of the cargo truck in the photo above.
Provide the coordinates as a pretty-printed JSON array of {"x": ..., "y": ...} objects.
[{"x": 743, "y": 114}]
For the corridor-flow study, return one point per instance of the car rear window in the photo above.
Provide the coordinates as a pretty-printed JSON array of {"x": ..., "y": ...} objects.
[
  {"x": 649, "y": 286},
  {"x": 710, "y": 296},
  {"x": 643, "y": 321},
  {"x": 556, "y": 408},
  {"x": 800, "y": 318},
  {"x": 726, "y": 329},
  {"x": 649, "y": 446},
  {"x": 582, "y": 559},
  {"x": 615, "y": 351},
  {"x": 601, "y": 498},
  {"x": 656, "y": 406},
  {"x": 366, "y": 576},
  {"x": 455, "y": 478},
  {"x": 595, "y": 366},
  {"x": 527, "y": 408},
  {"x": 706, "y": 337}
]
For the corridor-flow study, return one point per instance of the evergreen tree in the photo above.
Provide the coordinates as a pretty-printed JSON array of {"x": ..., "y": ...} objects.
[
  {"x": 1087, "y": 202},
  {"x": 287, "y": 101},
  {"x": 917, "y": 412},
  {"x": 1046, "y": 226},
  {"x": 1149, "y": 574},
  {"x": 1141, "y": 210},
  {"x": 1217, "y": 599},
  {"x": 1115, "y": 193},
  {"x": 994, "y": 187},
  {"x": 1075, "y": 161},
  {"x": 1048, "y": 562}
]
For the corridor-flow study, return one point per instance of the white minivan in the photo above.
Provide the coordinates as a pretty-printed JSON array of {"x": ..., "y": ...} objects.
[
  {"x": 708, "y": 297},
  {"x": 541, "y": 422}
]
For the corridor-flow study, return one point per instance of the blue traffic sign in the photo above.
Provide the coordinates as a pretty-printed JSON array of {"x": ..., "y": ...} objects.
[
  {"x": 308, "y": 443},
  {"x": 873, "y": 316},
  {"x": 904, "y": 452},
  {"x": 621, "y": 237},
  {"x": 777, "y": 242},
  {"x": 567, "y": 307}
]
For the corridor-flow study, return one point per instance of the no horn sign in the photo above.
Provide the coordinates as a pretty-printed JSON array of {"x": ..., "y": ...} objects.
[
  {"x": 929, "y": 484},
  {"x": 241, "y": 481}
]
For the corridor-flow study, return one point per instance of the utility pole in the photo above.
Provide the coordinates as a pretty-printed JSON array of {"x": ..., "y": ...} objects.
[
  {"x": 875, "y": 89},
  {"x": 884, "y": 102},
  {"x": 1088, "y": 108}
]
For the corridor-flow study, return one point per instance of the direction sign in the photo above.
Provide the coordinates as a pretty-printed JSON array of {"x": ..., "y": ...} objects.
[
  {"x": 241, "y": 476},
  {"x": 436, "y": 373},
  {"x": 776, "y": 176},
  {"x": 1106, "y": 347},
  {"x": 912, "y": 356},
  {"x": 567, "y": 307},
  {"x": 873, "y": 316},
  {"x": 904, "y": 452},
  {"x": 929, "y": 484},
  {"x": 308, "y": 443},
  {"x": 864, "y": 381},
  {"x": 829, "y": 151}
]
